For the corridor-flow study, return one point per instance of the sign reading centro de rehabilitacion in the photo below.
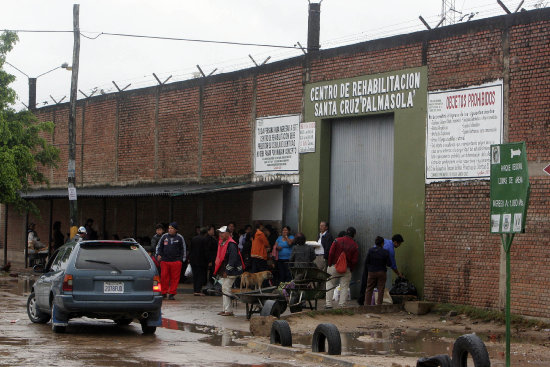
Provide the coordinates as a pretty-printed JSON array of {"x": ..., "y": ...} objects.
[
  {"x": 359, "y": 96},
  {"x": 461, "y": 126},
  {"x": 509, "y": 187},
  {"x": 276, "y": 148}
]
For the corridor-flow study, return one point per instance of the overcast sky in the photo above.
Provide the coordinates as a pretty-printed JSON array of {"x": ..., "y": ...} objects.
[{"x": 133, "y": 60}]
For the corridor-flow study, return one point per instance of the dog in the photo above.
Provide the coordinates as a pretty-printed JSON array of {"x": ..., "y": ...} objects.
[{"x": 254, "y": 279}]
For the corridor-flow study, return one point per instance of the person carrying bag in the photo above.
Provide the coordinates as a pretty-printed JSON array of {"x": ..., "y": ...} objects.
[{"x": 342, "y": 259}]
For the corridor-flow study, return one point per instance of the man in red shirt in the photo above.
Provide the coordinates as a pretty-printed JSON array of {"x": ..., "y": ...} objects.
[{"x": 349, "y": 247}]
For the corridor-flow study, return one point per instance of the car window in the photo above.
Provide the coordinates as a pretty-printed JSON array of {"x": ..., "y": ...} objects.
[
  {"x": 56, "y": 264},
  {"x": 64, "y": 259},
  {"x": 101, "y": 256}
]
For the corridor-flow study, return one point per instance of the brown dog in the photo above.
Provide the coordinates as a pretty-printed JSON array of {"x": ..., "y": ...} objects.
[{"x": 254, "y": 279}]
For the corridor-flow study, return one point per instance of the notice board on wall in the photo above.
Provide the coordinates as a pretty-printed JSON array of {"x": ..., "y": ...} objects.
[
  {"x": 461, "y": 126},
  {"x": 276, "y": 144}
]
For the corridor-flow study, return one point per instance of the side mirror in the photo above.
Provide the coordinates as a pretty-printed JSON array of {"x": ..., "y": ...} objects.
[{"x": 38, "y": 268}]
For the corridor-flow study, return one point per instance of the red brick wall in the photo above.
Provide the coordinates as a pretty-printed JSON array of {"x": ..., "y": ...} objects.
[
  {"x": 227, "y": 127},
  {"x": 365, "y": 63},
  {"x": 462, "y": 262},
  {"x": 178, "y": 143},
  {"x": 465, "y": 60},
  {"x": 280, "y": 93},
  {"x": 135, "y": 132},
  {"x": 98, "y": 144},
  {"x": 530, "y": 87}
]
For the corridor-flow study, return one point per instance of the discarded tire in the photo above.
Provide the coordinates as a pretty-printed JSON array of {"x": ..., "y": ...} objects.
[
  {"x": 440, "y": 360},
  {"x": 280, "y": 333},
  {"x": 330, "y": 334},
  {"x": 271, "y": 308},
  {"x": 470, "y": 344}
]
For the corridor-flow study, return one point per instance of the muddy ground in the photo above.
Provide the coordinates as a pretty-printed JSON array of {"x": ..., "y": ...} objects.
[{"x": 193, "y": 334}]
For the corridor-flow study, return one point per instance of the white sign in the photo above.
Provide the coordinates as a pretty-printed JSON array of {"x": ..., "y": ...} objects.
[
  {"x": 462, "y": 124},
  {"x": 72, "y": 193},
  {"x": 277, "y": 140},
  {"x": 307, "y": 137}
]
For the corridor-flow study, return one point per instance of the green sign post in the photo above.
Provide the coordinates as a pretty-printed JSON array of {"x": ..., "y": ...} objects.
[{"x": 509, "y": 201}]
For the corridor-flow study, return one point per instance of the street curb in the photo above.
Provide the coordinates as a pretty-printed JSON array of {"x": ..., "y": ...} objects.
[{"x": 301, "y": 354}]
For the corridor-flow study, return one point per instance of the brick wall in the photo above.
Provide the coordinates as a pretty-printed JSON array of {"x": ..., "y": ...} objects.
[{"x": 205, "y": 132}]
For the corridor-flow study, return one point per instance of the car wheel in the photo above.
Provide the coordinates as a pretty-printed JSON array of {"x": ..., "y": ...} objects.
[
  {"x": 147, "y": 329},
  {"x": 35, "y": 315},
  {"x": 123, "y": 322}
]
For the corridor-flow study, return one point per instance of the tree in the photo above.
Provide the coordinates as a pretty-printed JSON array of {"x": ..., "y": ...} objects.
[{"x": 24, "y": 151}]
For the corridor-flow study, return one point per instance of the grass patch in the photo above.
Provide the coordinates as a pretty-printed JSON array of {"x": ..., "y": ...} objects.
[{"x": 488, "y": 315}]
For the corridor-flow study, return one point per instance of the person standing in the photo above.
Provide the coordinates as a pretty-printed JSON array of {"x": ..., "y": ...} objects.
[
  {"x": 171, "y": 253},
  {"x": 229, "y": 265},
  {"x": 349, "y": 247},
  {"x": 302, "y": 255},
  {"x": 325, "y": 242},
  {"x": 58, "y": 238},
  {"x": 283, "y": 247},
  {"x": 159, "y": 231},
  {"x": 91, "y": 233},
  {"x": 258, "y": 252},
  {"x": 376, "y": 262},
  {"x": 198, "y": 258},
  {"x": 212, "y": 245}
]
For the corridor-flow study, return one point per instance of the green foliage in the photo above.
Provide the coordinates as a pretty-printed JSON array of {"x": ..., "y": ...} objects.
[{"x": 23, "y": 148}]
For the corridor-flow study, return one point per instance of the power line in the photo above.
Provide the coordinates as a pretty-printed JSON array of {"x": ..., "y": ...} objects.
[{"x": 155, "y": 37}]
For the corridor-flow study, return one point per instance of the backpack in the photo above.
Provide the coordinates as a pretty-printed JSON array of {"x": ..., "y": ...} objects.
[{"x": 341, "y": 264}]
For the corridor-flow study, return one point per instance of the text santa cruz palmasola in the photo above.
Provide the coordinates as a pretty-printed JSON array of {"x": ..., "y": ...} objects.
[{"x": 367, "y": 95}]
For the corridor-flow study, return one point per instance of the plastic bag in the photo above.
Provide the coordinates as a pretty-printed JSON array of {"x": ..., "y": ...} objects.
[
  {"x": 336, "y": 295},
  {"x": 402, "y": 286},
  {"x": 188, "y": 271}
]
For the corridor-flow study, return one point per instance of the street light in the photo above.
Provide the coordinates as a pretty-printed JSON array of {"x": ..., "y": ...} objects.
[{"x": 32, "y": 82}]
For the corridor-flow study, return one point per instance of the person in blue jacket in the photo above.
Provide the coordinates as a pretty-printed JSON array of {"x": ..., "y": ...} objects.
[{"x": 284, "y": 245}]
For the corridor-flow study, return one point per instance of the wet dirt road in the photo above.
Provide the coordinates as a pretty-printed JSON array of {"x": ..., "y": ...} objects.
[{"x": 89, "y": 342}]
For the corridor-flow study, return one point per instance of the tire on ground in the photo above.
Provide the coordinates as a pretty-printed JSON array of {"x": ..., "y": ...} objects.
[
  {"x": 271, "y": 308},
  {"x": 470, "y": 344},
  {"x": 440, "y": 360},
  {"x": 35, "y": 315},
  {"x": 280, "y": 333},
  {"x": 147, "y": 330},
  {"x": 330, "y": 334}
]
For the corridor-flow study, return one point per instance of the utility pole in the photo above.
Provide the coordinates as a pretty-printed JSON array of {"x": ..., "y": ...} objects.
[{"x": 71, "y": 173}]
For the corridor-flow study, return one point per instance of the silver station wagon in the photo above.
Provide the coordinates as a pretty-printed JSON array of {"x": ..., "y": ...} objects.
[{"x": 98, "y": 279}]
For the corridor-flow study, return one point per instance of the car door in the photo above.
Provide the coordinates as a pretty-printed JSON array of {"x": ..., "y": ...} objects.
[{"x": 43, "y": 285}]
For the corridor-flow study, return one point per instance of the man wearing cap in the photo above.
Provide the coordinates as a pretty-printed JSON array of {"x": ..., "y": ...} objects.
[
  {"x": 229, "y": 265},
  {"x": 171, "y": 254},
  {"x": 80, "y": 234}
]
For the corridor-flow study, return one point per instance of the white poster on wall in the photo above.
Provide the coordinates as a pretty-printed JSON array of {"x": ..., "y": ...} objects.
[
  {"x": 277, "y": 140},
  {"x": 461, "y": 126},
  {"x": 307, "y": 137}
]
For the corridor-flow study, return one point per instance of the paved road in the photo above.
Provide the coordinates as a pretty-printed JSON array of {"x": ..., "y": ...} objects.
[{"x": 91, "y": 342}]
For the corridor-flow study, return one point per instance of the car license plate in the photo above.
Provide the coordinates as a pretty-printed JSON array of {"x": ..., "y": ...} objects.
[{"x": 113, "y": 287}]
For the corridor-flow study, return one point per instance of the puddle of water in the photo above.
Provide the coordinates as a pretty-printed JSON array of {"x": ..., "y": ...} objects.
[
  {"x": 215, "y": 336},
  {"x": 407, "y": 343},
  {"x": 19, "y": 286}
]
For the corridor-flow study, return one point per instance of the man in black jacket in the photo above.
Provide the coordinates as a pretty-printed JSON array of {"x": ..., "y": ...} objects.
[
  {"x": 325, "y": 240},
  {"x": 199, "y": 253}
]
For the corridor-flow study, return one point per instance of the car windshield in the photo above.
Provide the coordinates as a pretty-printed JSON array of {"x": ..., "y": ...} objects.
[{"x": 99, "y": 256}]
